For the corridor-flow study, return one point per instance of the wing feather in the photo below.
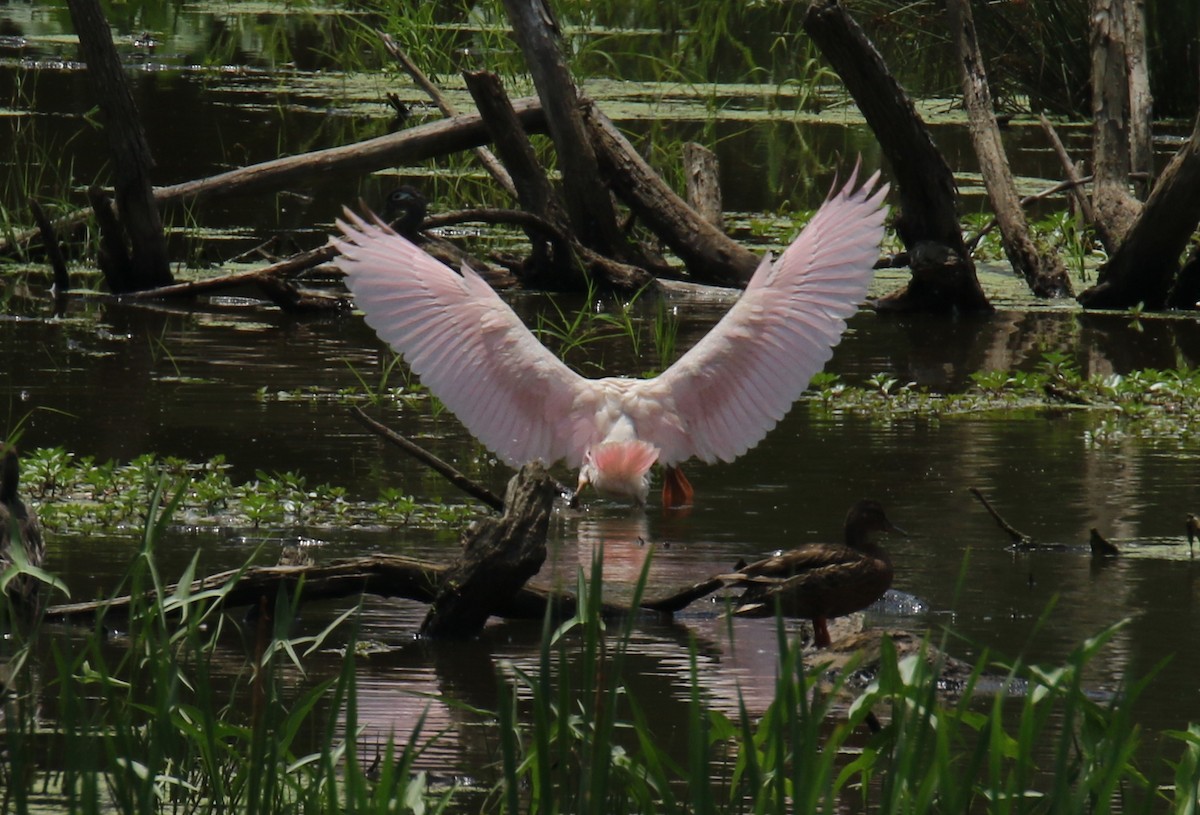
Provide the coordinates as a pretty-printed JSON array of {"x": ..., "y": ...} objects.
[
  {"x": 468, "y": 347},
  {"x": 768, "y": 346}
]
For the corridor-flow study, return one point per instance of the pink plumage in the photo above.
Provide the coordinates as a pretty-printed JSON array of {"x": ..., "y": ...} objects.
[{"x": 716, "y": 402}]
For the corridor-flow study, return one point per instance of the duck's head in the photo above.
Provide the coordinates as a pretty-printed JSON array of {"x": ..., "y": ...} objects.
[
  {"x": 620, "y": 468},
  {"x": 406, "y": 209},
  {"x": 865, "y": 519}
]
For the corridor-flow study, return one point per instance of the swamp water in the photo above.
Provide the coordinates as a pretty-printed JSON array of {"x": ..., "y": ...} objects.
[{"x": 244, "y": 382}]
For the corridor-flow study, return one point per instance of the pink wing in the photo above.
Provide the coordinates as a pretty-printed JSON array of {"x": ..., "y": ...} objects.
[
  {"x": 468, "y": 348},
  {"x": 723, "y": 396}
]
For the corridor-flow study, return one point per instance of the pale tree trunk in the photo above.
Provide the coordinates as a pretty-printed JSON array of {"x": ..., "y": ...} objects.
[
  {"x": 1045, "y": 274},
  {"x": 1141, "y": 113},
  {"x": 1112, "y": 200}
]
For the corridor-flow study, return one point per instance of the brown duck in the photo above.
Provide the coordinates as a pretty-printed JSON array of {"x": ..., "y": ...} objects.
[
  {"x": 18, "y": 527},
  {"x": 822, "y": 580}
]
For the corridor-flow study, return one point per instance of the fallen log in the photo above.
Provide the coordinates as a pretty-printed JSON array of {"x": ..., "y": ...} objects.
[{"x": 414, "y": 144}]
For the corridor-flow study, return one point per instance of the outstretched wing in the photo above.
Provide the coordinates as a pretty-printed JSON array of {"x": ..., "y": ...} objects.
[
  {"x": 468, "y": 347},
  {"x": 721, "y": 397}
]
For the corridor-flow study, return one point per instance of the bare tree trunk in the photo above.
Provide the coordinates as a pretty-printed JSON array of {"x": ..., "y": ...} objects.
[
  {"x": 588, "y": 203},
  {"x": 703, "y": 178},
  {"x": 132, "y": 160},
  {"x": 1045, "y": 274},
  {"x": 943, "y": 274},
  {"x": 1112, "y": 201},
  {"x": 1141, "y": 103},
  {"x": 1143, "y": 268}
]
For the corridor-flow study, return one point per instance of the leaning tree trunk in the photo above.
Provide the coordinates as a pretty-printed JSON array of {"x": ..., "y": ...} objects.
[
  {"x": 588, "y": 203},
  {"x": 139, "y": 219},
  {"x": 1143, "y": 268},
  {"x": 943, "y": 276},
  {"x": 1045, "y": 274}
]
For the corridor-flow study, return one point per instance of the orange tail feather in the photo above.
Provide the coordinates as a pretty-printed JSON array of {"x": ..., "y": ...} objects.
[{"x": 677, "y": 490}]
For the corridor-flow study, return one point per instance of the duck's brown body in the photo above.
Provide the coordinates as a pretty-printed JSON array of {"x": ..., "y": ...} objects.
[
  {"x": 18, "y": 527},
  {"x": 822, "y": 580}
]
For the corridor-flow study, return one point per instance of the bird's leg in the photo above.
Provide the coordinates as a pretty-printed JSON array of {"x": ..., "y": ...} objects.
[
  {"x": 821, "y": 633},
  {"x": 677, "y": 490}
]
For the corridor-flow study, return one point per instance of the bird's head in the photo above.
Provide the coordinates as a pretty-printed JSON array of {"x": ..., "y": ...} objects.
[
  {"x": 619, "y": 468},
  {"x": 865, "y": 519}
]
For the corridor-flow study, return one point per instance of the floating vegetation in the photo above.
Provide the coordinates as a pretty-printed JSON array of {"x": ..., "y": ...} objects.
[
  {"x": 1147, "y": 404},
  {"x": 80, "y": 495}
]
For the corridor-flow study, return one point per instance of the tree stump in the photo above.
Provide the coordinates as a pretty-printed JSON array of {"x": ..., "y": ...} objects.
[{"x": 499, "y": 556}]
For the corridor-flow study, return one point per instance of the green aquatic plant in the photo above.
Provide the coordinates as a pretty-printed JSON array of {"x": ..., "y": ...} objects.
[
  {"x": 1150, "y": 404},
  {"x": 79, "y": 495}
]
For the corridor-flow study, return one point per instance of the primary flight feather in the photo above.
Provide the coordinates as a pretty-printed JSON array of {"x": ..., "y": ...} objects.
[{"x": 716, "y": 402}]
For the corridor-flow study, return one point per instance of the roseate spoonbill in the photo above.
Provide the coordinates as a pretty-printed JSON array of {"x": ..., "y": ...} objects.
[
  {"x": 716, "y": 402},
  {"x": 18, "y": 527},
  {"x": 822, "y": 580}
]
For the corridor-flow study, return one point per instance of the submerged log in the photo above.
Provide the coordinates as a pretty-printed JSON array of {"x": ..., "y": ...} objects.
[{"x": 943, "y": 275}]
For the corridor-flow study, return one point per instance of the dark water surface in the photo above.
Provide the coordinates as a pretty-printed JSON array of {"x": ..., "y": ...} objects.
[
  {"x": 187, "y": 383},
  {"x": 117, "y": 382}
]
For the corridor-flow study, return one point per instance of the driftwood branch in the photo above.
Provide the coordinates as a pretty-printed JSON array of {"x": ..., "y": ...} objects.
[
  {"x": 1069, "y": 185},
  {"x": 471, "y": 488},
  {"x": 490, "y": 163},
  {"x": 1078, "y": 194},
  {"x": 1019, "y": 539}
]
